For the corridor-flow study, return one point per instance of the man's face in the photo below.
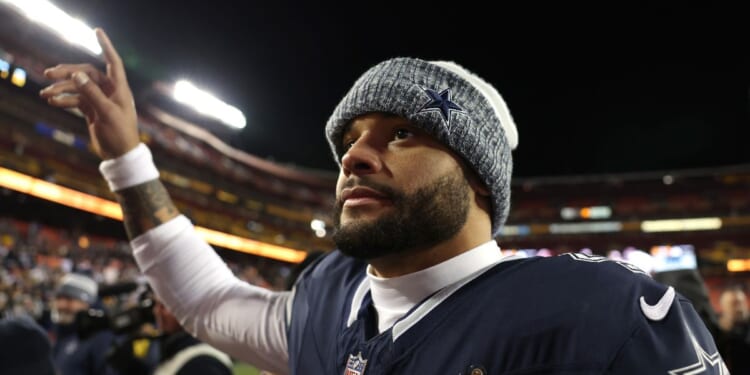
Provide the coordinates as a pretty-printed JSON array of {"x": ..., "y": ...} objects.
[
  {"x": 64, "y": 309},
  {"x": 399, "y": 189},
  {"x": 734, "y": 305}
]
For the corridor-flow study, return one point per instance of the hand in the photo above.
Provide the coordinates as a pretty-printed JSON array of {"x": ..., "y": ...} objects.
[{"x": 104, "y": 98}]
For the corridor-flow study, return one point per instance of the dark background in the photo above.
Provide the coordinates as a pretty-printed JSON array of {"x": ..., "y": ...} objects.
[{"x": 592, "y": 90}]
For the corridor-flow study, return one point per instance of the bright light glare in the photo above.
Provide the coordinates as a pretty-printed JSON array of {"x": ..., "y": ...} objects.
[
  {"x": 71, "y": 29},
  {"x": 738, "y": 265},
  {"x": 4, "y": 69},
  {"x": 207, "y": 104},
  {"x": 319, "y": 227},
  {"x": 19, "y": 77},
  {"x": 316, "y": 224},
  {"x": 681, "y": 225}
]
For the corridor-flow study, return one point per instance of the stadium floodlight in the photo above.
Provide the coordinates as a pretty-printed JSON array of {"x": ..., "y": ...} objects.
[
  {"x": 207, "y": 104},
  {"x": 47, "y": 14}
]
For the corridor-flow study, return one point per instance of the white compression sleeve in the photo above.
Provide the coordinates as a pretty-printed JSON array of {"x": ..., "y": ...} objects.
[{"x": 245, "y": 321}]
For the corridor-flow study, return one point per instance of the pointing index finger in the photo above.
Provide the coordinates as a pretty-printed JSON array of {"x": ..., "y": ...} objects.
[{"x": 112, "y": 57}]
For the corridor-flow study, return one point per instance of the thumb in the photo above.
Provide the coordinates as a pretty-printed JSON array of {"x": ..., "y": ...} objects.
[{"x": 91, "y": 92}]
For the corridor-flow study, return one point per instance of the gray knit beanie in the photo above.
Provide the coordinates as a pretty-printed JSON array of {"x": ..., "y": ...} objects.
[
  {"x": 447, "y": 101},
  {"x": 78, "y": 286}
]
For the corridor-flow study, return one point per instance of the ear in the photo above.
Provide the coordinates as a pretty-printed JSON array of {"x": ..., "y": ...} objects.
[
  {"x": 478, "y": 186},
  {"x": 476, "y": 183},
  {"x": 471, "y": 176},
  {"x": 482, "y": 195}
]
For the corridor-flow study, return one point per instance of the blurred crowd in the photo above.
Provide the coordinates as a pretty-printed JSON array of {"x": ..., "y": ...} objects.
[
  {"x": 34, "y": 259},
  {"x": 56, "y": 277}
]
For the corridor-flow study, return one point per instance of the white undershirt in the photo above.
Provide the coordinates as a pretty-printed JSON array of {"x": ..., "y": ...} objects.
[{"x": 394, "y": 297}]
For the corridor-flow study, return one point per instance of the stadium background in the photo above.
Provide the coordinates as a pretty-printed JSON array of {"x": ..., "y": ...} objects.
[{"x": 633, "y": 190}]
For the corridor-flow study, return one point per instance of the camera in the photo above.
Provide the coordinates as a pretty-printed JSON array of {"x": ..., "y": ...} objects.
[
  {"x": 127, "y": 325},
  {"x": 127, "y": 321},
  {"x": 130, "y": 320}
]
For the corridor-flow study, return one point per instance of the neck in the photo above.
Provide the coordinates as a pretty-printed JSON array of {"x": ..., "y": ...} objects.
[{"x": 413, "y": 260}]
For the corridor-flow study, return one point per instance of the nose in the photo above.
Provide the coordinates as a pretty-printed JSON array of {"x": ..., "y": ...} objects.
[{"x": 362, "y": 158}]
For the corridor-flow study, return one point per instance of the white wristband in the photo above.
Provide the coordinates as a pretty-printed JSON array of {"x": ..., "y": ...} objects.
[{"x": 132, "y": 168}]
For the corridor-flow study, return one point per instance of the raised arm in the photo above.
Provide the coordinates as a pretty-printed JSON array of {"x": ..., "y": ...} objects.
[
  {"x": 243, "y": 320},
  {"x": 107, "y": 102}
]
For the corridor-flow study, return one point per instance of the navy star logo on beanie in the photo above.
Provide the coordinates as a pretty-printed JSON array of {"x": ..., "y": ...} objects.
[{"x": 440, "y": 101}]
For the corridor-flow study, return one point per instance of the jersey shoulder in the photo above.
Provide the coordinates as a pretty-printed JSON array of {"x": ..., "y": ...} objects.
[
  {"x": 575, "y": 279},
  {"x": 597, "y": 271}
]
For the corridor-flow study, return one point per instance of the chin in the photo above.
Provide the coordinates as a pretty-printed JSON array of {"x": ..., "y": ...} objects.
[{"x": 361, "y": 215}]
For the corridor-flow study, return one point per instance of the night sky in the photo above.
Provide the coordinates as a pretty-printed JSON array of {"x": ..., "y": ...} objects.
[{"x": 592, "y": 90}]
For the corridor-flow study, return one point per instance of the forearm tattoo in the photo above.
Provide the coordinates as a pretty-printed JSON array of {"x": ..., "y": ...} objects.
[{"x": 145, "y": 206}]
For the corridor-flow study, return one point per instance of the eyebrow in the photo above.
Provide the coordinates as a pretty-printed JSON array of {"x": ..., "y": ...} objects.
[{"x": 388, "y": 115}]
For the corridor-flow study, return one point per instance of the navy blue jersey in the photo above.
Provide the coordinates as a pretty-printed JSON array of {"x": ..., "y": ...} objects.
[{"x": 569, "y": 314}]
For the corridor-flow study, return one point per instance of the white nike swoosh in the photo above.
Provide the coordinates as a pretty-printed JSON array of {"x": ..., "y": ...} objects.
[{"x": 659, "y": 310}]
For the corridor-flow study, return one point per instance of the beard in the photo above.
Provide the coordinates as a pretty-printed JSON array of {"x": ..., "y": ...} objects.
[
  {"x": 62, "y": 317},
  {"x": 426, "y": 217}
]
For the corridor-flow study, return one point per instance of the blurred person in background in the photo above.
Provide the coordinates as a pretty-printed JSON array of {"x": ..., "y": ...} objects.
[
  {"x": 678, "y": 267},
  {"x": 161, "y": 346},
  {"x": 182, "y": 354},
  {"x": 733, "y": 337},
  {"x": 73, "y": 354},
  {"x": 25, "y": 348},
  {"x": 418, "y": 284},
  {"x": 735, "y": 315}
]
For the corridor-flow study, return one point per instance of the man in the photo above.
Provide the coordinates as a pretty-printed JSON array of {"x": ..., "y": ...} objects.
[
  {"x": 75, "y": 355},
  {"x": 418, "y": 284},
  {"x": 735, "y": 313},
  {"x": 733, "y": 338},
  {"x": 183, "y": 354},
  {"x": 689, "y": 283}
]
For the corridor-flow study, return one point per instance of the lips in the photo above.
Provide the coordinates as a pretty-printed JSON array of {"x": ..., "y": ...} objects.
[{"x": 360, "y": 195}]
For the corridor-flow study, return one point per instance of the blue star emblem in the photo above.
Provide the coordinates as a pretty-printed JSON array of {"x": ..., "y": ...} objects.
[{"x": 440, "y": 101}]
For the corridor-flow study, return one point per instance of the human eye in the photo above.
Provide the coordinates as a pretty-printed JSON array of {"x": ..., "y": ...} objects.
[
  {"x": 403, "y": 133},
  {"x": 347, "y": 144}
]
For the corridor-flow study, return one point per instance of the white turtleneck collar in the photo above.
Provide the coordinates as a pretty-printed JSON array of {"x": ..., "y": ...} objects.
[{"x": 394, "y": 297}]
